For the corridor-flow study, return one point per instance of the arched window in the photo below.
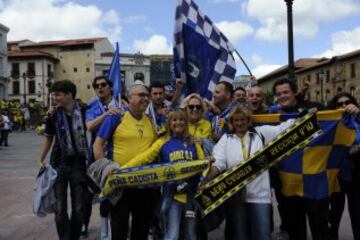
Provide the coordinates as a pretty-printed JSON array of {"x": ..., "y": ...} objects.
[{"x": 139, "y": 76}]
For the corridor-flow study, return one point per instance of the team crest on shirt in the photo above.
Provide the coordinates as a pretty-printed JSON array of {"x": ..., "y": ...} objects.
[{"x": 141, "y": 133}]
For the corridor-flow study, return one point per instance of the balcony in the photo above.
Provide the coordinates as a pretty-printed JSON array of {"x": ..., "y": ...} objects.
[
  {"x": 15, "y": 74},
  {"x": 30, "y": 73}
]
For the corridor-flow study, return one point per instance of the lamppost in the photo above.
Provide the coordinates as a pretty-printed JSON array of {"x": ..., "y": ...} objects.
[
  {"x": 321, "y": 79},
  {"x": 291, "y": 68},
  {"x": 24, "y": 77}
]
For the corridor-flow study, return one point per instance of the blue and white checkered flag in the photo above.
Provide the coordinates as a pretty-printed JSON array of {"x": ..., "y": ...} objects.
[{"x": 202, "y": 54}]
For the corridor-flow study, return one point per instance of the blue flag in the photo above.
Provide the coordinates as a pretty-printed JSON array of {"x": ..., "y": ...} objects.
[
  {"x": 114, "y": 74},
  {"x": 202, "y": 54}
]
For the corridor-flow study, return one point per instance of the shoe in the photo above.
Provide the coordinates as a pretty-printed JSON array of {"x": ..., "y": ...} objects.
[
  {"x": 84, "y": 231},
  {"x": 282, "y": 235}
]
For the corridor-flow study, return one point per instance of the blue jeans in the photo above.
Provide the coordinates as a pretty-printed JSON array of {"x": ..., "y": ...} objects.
[
  {"x": 248, "y": 221},
  {"x": 175, "y": 215}
]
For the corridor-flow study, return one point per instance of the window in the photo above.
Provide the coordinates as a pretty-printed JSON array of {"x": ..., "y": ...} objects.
[
  {"x": 31, "y": 69},
  {"x": 15, "y": 71},
  {"x": 105, "y": 72},
  {"x": 139, "y": 76},
  {"x": 318, "y": 78},
  {"x": 75, "y": 69},
  {"x": 87, "y": 69},
  {"x": 64, "y": 71},
  {"x": 327, "y": 76},
  {"x": 339, "y": 90},
  {"x": 352, "y": 91},
  {"x": 31, "y": 87},
  {"x": 352, "y": 70},
  {"x": 309, "y": 77},
  {"x": 16, "y": 87},
  {"x": 318, "y": 96},
  {"x": 49, "y": 72},
  {"x": 123, "y": 75}
]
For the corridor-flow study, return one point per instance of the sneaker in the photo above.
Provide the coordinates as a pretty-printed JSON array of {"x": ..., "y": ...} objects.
[
  {"x": 282, "y": 235},
  {"x": 84, "y": 231}
]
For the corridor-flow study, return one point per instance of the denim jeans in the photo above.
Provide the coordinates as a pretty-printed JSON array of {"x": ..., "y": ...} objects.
[
  {"x": 248, "y": 221},
  {"x": 69, "y": 228},
  {"x": 176, "y": 215}
]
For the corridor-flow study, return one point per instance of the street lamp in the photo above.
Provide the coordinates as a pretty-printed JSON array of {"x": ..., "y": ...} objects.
[
  {"x": 321, "y": 79},
  {"x": 24, "y": 77},
  {"x": 291, "y": 68}
]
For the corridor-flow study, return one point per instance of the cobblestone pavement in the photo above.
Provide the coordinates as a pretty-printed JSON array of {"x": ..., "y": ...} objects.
[{"x": 17, "y": 178}]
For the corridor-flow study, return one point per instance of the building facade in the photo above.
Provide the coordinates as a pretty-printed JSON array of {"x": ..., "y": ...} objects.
[
  {"x": 76, "y": 59},
  {"x": 3, "y": 62},
  {"x": 326, "y": 76},
  {"x": 31, "y": 75}
]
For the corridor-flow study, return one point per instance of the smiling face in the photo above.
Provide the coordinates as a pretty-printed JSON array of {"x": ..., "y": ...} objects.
[
  {"x": 285, "y": 96},
  {"x": 194, "y": 110},
  {"x": 138, "y": 99},
  {"x": 255, "y": 97},
  {"x": 240, "y": 122}
]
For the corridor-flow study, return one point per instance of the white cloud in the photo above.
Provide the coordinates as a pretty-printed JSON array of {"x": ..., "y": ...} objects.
[
  {"x": 156, "y": 44},
  {"x": 343, "y": 42},
  {"x": 235, "y": 31},
  {"x": 264, "y": 69},
  {"x": 224, "y": 1},
  {"x": 308, "y": 14},
  {"x": 58, "y": 19}
]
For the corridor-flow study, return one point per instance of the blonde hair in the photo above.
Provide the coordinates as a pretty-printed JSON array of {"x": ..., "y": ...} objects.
[
  {"x": 186, "y": 101},
  {"x": 181, "y": 114},
  {"x": 238, "y": 110}
]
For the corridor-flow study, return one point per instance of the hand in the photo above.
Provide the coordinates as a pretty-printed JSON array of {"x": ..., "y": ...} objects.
[
  {"x": 179, "y": 83},
  {"x": 113, "y": 111},
  {"x": 40, "y": 163},
  {"x": 211, "y": 159},
  {"x": 352, "y": 109}
]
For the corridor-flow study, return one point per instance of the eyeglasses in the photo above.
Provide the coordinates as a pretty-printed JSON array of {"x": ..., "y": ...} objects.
[
  {"x": 194, "y": 107},
  {"x": 102, "y": 85},
  {"x": 340, "y": 104}
]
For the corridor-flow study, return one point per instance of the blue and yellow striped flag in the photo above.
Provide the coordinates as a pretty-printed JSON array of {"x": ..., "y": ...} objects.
[{"x": 312, "y": 171}]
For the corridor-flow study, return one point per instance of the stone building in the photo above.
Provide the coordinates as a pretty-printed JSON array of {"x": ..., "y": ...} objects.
[
  {"x": 3, "y": 62},
  {"x": 326, "y": 76},
  {"x": 76, "y": 59}
]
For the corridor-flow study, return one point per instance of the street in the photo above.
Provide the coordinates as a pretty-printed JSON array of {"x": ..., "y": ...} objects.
[{"x": 17, "y": 178}]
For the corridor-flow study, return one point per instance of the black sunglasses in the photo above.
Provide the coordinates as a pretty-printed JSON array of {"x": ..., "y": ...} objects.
[
  {"x": 98, "y": 85},
  {"x": 193, "y": 107},
  {"x": 340, "y": 104}
]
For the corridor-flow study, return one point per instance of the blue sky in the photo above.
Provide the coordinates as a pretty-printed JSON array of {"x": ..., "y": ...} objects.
[{"x": 256, "y": 27}]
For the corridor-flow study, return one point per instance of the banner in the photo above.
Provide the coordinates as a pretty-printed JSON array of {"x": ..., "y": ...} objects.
[
  {"x": 152, "y": 175},
  {"x": 219, "y": 189}
]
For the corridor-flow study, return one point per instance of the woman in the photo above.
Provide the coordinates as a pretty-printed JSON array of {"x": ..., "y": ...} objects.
[
  {"x": 349, "y": 177},
  {"x": 248, "y": 213},
  {"x": 176, "y": 145}
]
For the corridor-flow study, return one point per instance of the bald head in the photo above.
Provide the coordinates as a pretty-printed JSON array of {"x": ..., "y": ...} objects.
[{"x": 138, "y": 98}]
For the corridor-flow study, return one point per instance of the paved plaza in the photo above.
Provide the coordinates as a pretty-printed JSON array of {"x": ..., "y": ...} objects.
[{"x": 17, "y": 178}]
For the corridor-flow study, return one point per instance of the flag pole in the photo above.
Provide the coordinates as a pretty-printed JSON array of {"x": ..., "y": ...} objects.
[{"x": 242, "y": 60}]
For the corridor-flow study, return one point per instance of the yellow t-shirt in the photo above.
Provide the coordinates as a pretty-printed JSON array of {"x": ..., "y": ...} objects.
[
  {"x": 127, "y": 136},
  {"x": 200, "y": 129}
]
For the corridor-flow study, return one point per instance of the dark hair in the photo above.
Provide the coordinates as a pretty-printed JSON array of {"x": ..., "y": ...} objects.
[
  {"x": 282, "y": 81},
  {"x": 156, "y": 85},
  {"x": 228, "y": 87},
  {"x": 333, "y": 101},
  {"x": 240, "y": 88},
  {"x": 65, "y": 86},
  {"x": 99, "y": 78}
]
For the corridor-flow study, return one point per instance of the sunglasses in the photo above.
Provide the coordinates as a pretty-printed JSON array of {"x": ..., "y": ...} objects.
[
  {"x": 195, "y": 107},
  {"x": 102, "y": 85},
  {"x": 340, "y": 104}
]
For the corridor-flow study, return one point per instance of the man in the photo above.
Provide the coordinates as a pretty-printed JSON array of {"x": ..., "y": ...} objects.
[
  {"x": 127, "y": 136},
  {"x": 222, "y": 105},
  {"x": 240, "y": 96},
  {"x": 68, "y": 157},
  {"x": 100, "y": 107},
  {"x": 256, "y": 101},
  {"x": 159, "y": 106}
]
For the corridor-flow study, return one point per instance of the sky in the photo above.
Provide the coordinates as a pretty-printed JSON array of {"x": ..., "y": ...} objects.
[{"x": 257, "y": 28}]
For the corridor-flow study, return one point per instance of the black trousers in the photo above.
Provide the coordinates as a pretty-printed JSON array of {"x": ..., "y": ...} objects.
[
  {"x": 4, "y": 137},
  {"x": 139, "y": 203},
  {"x": 317, "y": 212},
  {"x": 69, "y": 228},
  {"x": 87, "y": 206}
]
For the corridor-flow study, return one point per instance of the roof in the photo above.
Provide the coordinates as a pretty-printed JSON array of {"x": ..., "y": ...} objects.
[
  {"x": 299, "y": 64},
  {"x": 31, "y": 54},
  {"x": 62, "y": 43}
]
